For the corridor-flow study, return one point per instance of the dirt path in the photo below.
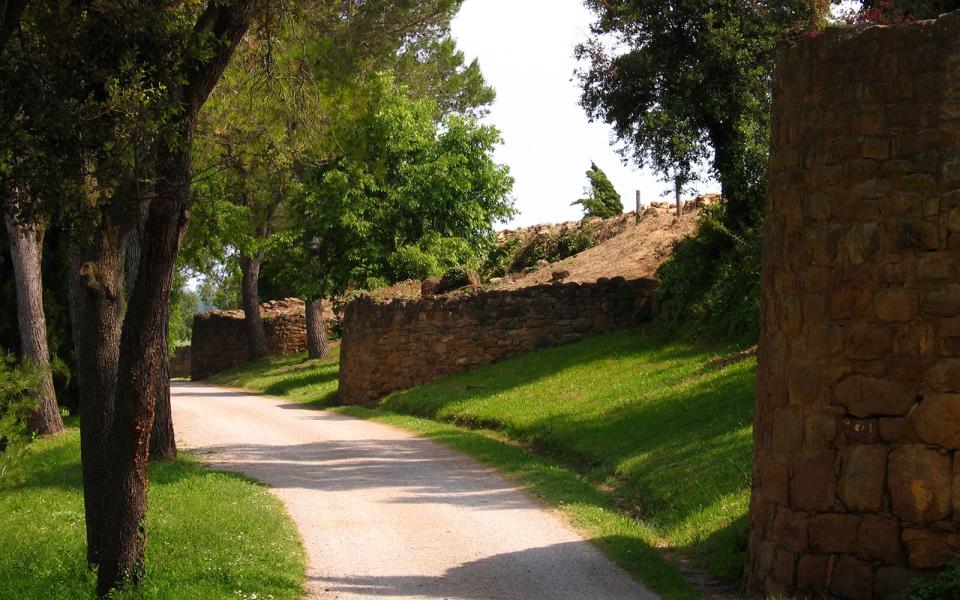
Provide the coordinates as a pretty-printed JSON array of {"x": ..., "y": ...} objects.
[{"x": 385, "y": 514}]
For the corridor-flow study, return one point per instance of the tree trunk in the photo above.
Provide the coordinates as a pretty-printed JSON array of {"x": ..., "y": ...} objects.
[
  {"x": 163, "y": 443},
  {"x": 97, "y": 313},
  {"x": 256, "y": 338},
  {"x": 143, "y": 353},
  {"x": 677, "y": 187},
  {"x": 26, "y": 245},
  {"x": 317, "y": 346}
]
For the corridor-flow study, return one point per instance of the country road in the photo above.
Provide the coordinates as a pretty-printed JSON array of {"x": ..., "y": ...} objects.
[{"x": 385, "y": 514}]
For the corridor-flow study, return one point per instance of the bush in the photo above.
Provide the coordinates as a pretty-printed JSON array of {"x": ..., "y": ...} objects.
[
  {"x": 550, "y": 248},
  {"x": 454, "y": 279},
  {"x": 944, "y": 585},
  {"x": 16, "y": 403},
  {"x": 710, "y": 286}
]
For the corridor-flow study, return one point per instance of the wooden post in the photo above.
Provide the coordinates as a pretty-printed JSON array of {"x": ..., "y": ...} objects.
[{"x": 639, "y": 207}]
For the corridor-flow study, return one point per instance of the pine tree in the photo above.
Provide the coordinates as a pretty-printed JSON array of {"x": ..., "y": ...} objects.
[{"x": 602, "y": 199}]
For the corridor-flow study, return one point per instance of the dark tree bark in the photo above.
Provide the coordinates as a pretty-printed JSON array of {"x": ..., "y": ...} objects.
[
  {"x": 97, "y": 313},
  {"x": 163, "y": 444},
  {"x": 26, "y": 245},
  {"x": 142, "y": 342},
  {"x": 253, "y": 322},
  {"x": 317, "y": 346}
]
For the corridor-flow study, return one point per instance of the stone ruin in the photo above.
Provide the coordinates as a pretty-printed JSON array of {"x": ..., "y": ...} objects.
[
  {"x": 856, "y": 477},
  {"x": 219, "y": 340}
]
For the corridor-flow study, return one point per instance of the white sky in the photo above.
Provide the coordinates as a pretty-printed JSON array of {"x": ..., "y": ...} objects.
[{"x": 525, "y": 49}]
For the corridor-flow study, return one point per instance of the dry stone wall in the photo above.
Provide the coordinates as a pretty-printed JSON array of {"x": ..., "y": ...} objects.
[
  {"x": 856, "y": 482},
  {"x": 219, "y": 340},
  {"x": 403, "y": 343}
]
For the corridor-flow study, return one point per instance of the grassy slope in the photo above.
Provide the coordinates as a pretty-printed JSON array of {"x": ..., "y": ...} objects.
[
  {"x": 634, "y": 414},
  {"x": 212, "y": 535}
]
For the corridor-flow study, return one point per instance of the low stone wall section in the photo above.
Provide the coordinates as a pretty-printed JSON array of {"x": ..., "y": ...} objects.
[
  {"x": 219, "y": 339},
  {"x": 392, "y": 346}
]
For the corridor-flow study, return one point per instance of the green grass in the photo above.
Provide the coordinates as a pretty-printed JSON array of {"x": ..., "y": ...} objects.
[
  {"x": 311, "y": 382},
  {"x": 624, "y": 425},
  {"x": 211, "y": 535}
]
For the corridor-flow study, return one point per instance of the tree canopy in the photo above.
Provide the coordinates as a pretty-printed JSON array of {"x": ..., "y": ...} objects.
[{"x": 602, "y": 199}]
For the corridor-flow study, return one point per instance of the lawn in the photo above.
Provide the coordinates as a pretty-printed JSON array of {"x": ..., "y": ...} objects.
[
  {"x": 646, "y": 423},
  {"x": 212, "y": 535}
]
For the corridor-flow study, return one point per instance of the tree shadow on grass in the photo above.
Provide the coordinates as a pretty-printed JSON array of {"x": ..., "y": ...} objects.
[{"x": 296, "y": 382}]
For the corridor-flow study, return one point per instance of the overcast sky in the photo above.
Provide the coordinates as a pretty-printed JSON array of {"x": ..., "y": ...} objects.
[{"x": 525, "y": 49}]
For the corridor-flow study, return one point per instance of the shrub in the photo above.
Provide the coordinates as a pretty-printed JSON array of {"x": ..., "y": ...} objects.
[
  {"x": 944, "y": 585},
  {"x": 454, "y": 279},
  {"x": 710, "y": 286},
  {"x": 550, "y": 248},
  {"x": 16, "y": 403}
]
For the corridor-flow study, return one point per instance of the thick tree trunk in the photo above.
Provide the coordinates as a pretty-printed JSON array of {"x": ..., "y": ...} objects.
[
  {"x": 143, "y": 352},
  {"x": 256, "y": 338},
  {"x": 26, "y": 245},
  {"x": 317, "y": 346},
  {"x": 97, "y": 313}
]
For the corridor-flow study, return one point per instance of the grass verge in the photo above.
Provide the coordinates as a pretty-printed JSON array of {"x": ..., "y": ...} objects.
[
  {"x": 634, "y": 437},
  {"x": 212, "y": 535}
]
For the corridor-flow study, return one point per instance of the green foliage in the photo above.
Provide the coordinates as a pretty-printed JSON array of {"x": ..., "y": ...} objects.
[
  {"x": 710, "y": 286},
  {"x": 212, "y": 535},
  {"x": 184, "y": 304},
  {"x": 549, "y": 247},
  {"x": 499, "y": 259},
  {"x": 408, "y": 197},
  {"x": 944, "y": 585},
  {"x": 602, "y": 198},
  {"x": 16, "y": 402},
  {"x": 455, "y": 278},
  {"x": 694, "y": 78}
]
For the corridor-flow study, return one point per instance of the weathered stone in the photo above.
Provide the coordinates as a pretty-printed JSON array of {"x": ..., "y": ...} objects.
[
  {"x": 785, "y": 567},
  {"x": 819, "y": 432},
  {"x": 878, "y": 539},
  {"x": 862, "y": 478},
  {"x": 833, "y": 533},
  {"x": 803, "y": 382},
  {"x": 790, "y": 530},
  {"x": 920, "y": 481},
  {"x": 897, "y": 305},
  {"x": 945, "y": 375},
  {"x": 897, "y": 430},
  {"x": 937, "y": 420},
  {"x": 813, "y": 573},
  {"x": 813, "y": 482},
  {"x": 868, "y": 340},
  {"x": 858, "y": 431},
  {"x": 928, "y": 549},
  {"x": 852, "y": 578},
  {"x": 869, "y": 396}
]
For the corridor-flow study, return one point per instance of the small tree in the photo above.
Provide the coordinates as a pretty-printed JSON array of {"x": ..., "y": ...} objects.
[{"x": 602, "y": 199}]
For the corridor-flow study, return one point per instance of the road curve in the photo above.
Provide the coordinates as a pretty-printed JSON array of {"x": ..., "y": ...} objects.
[{"x": 386, "y": 514}]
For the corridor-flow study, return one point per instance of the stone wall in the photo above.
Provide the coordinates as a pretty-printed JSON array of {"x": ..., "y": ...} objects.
[
  {"x": 856, "y": 479},
  {"x": 397, "y": 345},
  {"x": 180, "y": 364},
  {"x": 219, "y": 340}
]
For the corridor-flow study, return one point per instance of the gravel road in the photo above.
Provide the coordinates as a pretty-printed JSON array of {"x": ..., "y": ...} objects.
[{"x": 385, "y": 514}]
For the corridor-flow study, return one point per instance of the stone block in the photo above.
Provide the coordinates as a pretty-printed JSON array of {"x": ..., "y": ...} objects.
[
  {"x": 863, "y": 477},
  {"x": 945, "y": 375},
  {"x": 803, "y": 382},
  {"x": 897, "y": 305},
  {"x": 819, "y": 432},
  {"x": 929, "y": 549},
  {"x": 858, "y": 431},
  {"x": 813, "y": 480},
  {"x": 879, "y": 539},
  {"x": 813, "y": 573},
  {"x": 870, "y": 396},
  {"x": 920, "y": 483},
  {"x": 897, "y": 430},
  {"x": 833, "y": 533},
  {"x": 790, "y": 530},
  {"x": 785, "y": 567},
  {"x": 852, "y": 578},
  {"x": 866, "y": 341},
  {"x": 937, "y": 420}
]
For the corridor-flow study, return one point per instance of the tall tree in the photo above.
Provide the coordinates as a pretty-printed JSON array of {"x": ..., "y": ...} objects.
[
  {"x": 602, "y": 199},
  {"x": 703, "y": 65}
]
